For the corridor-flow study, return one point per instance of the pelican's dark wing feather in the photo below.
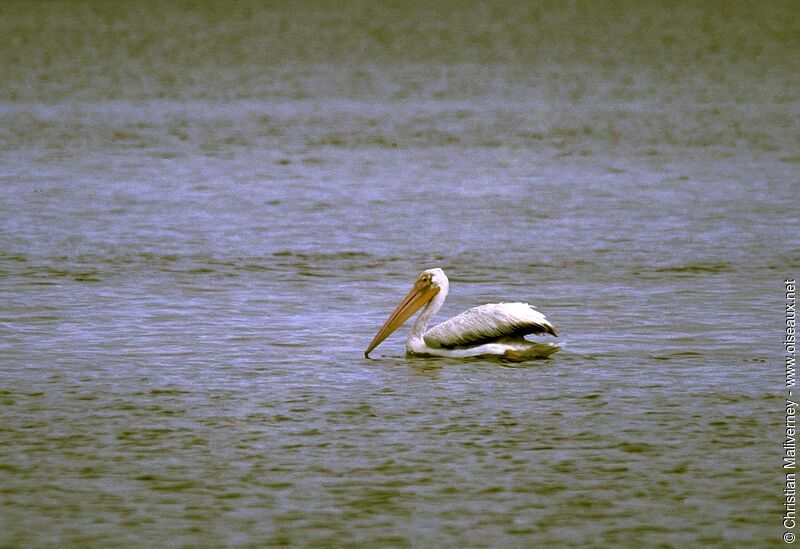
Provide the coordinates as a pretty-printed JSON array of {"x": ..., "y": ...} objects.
[{"x": 488, "y": 323}]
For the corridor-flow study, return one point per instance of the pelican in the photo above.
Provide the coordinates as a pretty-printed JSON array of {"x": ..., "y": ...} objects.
[{"x": 494, "y": 329}]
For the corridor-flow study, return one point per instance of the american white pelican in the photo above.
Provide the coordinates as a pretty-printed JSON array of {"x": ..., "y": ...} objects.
[{"x": 492, "y": 329}]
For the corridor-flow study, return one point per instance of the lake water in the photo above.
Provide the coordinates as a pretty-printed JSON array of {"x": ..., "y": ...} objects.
[{"x": 207, "y": 212}]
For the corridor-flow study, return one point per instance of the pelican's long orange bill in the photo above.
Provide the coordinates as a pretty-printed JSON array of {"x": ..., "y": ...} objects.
[{"x": 420, "y": 294}]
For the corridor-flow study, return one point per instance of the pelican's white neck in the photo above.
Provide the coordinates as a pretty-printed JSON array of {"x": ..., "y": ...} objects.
[{"x": 431, "y": 308}]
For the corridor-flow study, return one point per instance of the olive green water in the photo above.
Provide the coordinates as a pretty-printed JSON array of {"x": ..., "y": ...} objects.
[{"x": 206, "y": 212}]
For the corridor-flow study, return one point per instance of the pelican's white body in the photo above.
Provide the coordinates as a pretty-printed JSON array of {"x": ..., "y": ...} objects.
[{"x": 485, "y": 330}]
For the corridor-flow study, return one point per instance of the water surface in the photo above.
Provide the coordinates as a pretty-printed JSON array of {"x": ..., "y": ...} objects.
[{"x": 206, "y": 213}]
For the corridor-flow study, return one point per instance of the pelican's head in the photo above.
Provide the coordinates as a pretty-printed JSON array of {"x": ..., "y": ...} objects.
[{"x": 428, "y": 284}]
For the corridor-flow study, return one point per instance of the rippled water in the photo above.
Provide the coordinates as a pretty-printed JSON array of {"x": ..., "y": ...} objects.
[{"x": 206, "y": 214}]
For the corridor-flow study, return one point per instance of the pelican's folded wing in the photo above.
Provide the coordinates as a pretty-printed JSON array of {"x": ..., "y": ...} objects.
[{"x": 488, "y": 323}]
